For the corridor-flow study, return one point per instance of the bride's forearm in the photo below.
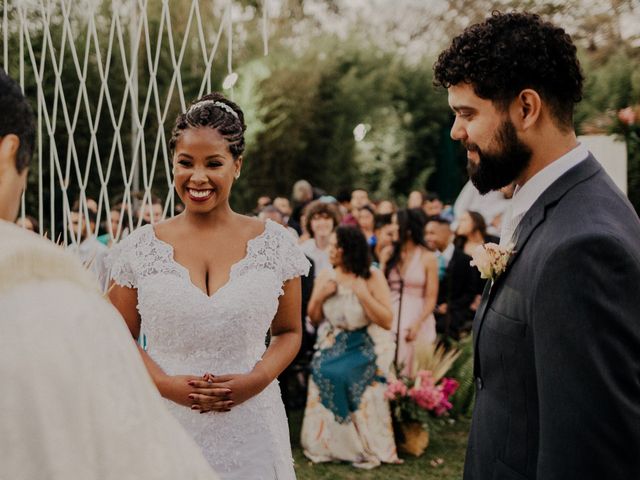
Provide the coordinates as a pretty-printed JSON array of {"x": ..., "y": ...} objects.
[
  {"x": 156, "y": 373},
  {"x": 282, "y": 350}
]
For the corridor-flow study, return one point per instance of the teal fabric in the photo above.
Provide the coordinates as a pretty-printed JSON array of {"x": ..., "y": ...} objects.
[
  {"x": 442, "y": 266},
  {"x": 343, "y": 371},
  {"x": 104, "y": 239}
]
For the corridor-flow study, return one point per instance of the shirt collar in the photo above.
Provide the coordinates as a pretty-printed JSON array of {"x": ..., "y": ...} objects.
[
  {"x": 447, "y": 253},
  {"x": 524, "y": 197}
]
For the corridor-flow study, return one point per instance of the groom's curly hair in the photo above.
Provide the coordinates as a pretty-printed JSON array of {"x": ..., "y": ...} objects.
[{"x": 510, "y": 52}]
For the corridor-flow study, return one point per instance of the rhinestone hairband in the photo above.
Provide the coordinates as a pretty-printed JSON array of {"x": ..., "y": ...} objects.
[{"x": 214, "y": 103}]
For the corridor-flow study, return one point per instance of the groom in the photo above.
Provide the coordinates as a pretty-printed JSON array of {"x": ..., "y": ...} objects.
[{"x": 557, "y": 336}]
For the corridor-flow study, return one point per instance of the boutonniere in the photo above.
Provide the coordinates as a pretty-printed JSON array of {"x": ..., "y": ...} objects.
[{"x": 491, "y": 259}]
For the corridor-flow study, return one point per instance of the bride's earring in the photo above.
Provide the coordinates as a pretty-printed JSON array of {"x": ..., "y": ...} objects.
[{"x": 237, "y": 175}]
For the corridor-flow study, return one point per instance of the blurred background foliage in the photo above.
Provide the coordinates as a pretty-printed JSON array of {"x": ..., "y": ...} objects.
[{"x": 332, "y": 66}]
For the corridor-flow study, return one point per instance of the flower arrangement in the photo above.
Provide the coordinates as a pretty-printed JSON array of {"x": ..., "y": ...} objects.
[{"x": 417, "y": 400}]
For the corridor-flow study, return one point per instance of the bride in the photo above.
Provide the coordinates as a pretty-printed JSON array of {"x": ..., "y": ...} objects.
[{"x": 205, "y": 287}]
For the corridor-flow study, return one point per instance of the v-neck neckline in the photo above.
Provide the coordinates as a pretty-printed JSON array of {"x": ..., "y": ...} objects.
[
  {"x": 187, "y": 273},
  {"x": 408, "y": 265}
]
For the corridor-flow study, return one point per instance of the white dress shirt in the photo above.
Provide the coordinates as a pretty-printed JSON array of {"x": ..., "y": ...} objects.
[
  {"x": 525, "y": 196},
  {"x": 447, "y": 253}
]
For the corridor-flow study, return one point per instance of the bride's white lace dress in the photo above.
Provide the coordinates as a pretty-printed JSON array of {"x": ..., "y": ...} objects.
[{"x": 188, "y": 332}]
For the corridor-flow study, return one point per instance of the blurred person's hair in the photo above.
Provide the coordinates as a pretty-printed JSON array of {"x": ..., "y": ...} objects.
[
  {"x": 302, "y": 190},
  {"x": 411, "y": 222},
  {"x": 369, "y": 209},
  {"x": 75, "y": 207},
  {"x": 382, "y": 220},
  {"x": 479, "y": 222},
  {"x": 270, "y": 209},
  {"x": 320, "y": 208},
  {"x": 356, "y": 255},
  {"x": 344, "y": 196},
  {"x": 439, "y": 219}
]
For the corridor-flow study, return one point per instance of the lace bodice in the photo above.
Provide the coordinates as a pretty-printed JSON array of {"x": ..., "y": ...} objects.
[{"x": 189, "y": 332}]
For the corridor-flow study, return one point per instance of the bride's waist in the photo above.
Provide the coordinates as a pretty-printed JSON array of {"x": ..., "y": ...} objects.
[{"x": 193, "y": 364}]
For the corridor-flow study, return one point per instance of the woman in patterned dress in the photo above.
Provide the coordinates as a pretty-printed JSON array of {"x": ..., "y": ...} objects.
[{"x": 347, "y": 416}]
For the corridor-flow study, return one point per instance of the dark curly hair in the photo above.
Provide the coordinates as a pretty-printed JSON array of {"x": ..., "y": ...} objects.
[
  {"x": 356, "y": 257},
  {"x": 205, "y": 113},
  {"x": 16, "y": 117},
  {"x": 411, "y": 223},
  {"x": 510, "y": 52}
]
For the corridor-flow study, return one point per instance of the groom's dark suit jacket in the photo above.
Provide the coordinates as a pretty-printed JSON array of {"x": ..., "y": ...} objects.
[{"x": 557, "y": 342}]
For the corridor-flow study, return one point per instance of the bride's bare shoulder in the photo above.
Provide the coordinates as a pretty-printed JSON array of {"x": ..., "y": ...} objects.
[
  {"x": 251, "y": 226},
  {"x": 167, "y": 227}
]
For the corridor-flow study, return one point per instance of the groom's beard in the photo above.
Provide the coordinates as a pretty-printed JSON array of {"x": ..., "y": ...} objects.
[{"x": 498, "y": 169}]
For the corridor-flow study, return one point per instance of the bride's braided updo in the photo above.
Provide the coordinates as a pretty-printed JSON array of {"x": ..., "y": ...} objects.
[{"x": 213, "y": 111}]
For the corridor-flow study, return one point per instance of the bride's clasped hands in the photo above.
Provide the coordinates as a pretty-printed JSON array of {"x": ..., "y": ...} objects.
[{"x": 220, "y": 393}]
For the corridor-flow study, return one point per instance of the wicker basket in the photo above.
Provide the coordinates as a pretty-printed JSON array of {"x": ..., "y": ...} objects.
[{"x": 415, "y": 438}]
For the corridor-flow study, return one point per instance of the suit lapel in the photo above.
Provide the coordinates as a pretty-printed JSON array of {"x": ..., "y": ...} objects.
[{"x": 534, "y": 217}]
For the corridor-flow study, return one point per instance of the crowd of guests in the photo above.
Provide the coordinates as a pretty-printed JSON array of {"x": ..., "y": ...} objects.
[{"x": 384, "y": 280}]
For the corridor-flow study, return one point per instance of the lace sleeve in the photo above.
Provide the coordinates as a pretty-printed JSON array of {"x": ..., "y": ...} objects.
[
  {"x": 293, "y": 262},
  {"x": 118, "y": 265}
]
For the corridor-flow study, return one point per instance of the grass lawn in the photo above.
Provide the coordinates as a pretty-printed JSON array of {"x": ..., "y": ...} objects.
[{"x": 449, "y": 446}]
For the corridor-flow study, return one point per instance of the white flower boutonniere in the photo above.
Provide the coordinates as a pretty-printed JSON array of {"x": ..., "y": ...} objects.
[{"x": 491, "y": 259}]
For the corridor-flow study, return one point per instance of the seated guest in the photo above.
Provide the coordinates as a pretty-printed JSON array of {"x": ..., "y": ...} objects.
[
  {"x": 472, "y": 232},
  {"x": 432, "y": 205},
  {"x": 283, "y": 204},
  {"x": 385, "y": 207},
  {"x": 302, "y": 195},
  {"x": 359, "y": 199},
  {"x": 85, "y": 245},
  {"x": 272, "y": 213},
  {"x": 415, "y": 200},
  {"x": 320, "y": 220},
  {"x": 458, "y": 282},
  {"x": 149, "y": 211},
  {"x": 386, "y": 233},
  {"x": 347, "y": 416},
  {"x": 366, "y": 222}
]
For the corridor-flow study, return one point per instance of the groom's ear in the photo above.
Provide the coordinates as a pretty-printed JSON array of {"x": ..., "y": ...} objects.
[
  {"x": 527, "y": 108},
  {"x": 9, "y": 145}
]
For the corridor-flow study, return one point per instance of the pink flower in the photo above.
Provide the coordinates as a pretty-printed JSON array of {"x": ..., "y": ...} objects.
[
  {"x": 443, "y": 407},
  {"x": 627, "y": 116},
  {"x": 427, "y": 398},
  {"x": 449, "y": 386},
  {"x": 395, "y": 389}
]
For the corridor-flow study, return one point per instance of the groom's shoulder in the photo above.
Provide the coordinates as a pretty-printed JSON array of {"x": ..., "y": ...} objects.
[
  {"x": 595, "y": 205},
  {"x": 25, "y": 257}
]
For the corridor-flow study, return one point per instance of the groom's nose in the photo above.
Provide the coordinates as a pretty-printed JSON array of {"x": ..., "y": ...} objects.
[{"x": 457, "y": 130}]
